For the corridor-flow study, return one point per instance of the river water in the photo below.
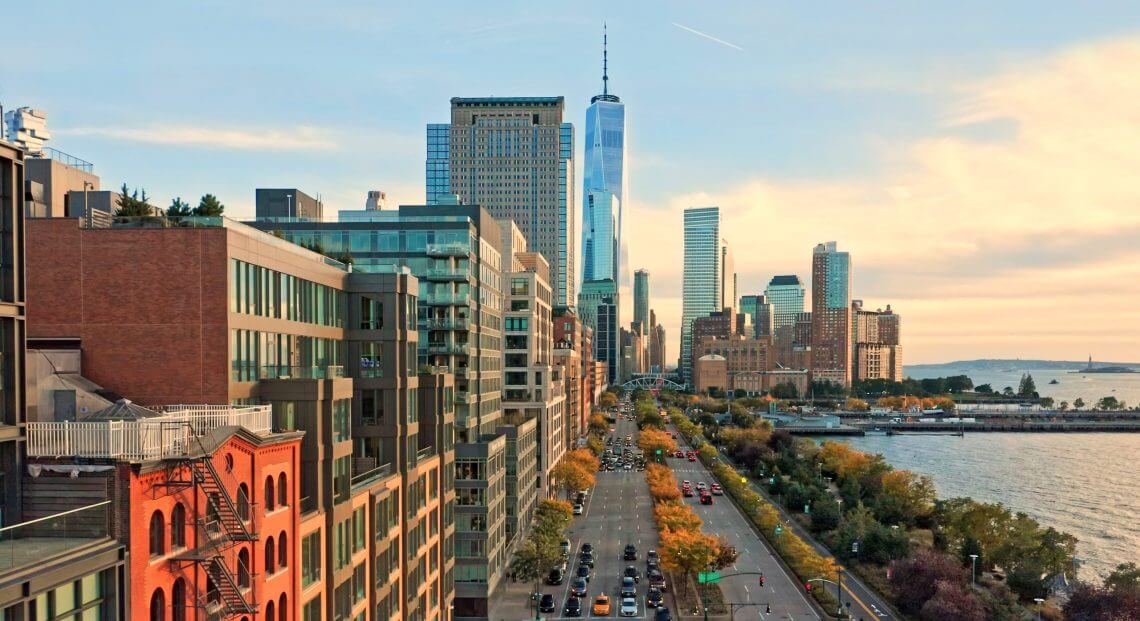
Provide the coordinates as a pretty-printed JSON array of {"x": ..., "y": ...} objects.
[{"x": 1087, "y": 484}]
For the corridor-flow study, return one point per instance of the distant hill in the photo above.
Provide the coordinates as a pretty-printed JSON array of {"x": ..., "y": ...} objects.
[{"x": 997, "y": 364}]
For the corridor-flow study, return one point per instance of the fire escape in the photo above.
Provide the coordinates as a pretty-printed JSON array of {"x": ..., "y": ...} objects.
[{"x": 218, "y": 532}]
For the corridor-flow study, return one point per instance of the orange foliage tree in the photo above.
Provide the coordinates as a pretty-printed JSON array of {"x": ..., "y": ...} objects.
[{"x": 652, "y": 440}]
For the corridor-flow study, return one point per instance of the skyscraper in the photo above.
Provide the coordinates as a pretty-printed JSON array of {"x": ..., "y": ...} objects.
[
  {"x": 760, "y": 312},
  {"x": 514, "y": 157},
  {"x": 604, "y": 183},
  {"x": 703, "y": 279},
  {"x": 786, "y": 295},
  {"x": 831, "y": 314},
  {"x": 641, "y": 299}
]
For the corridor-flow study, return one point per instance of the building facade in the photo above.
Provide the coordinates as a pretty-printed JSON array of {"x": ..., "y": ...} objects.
[
  {"x": 641, "y": 300},
  {"x": 878, "y": 353},
  {"x": 514, "y": 156},
  {"x": 759, "y": 311},
  {"x": 831, "y": 315},
  {"x": 703, "y": 276}
]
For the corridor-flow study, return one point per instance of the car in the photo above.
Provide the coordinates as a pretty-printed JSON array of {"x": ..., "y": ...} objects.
[
  {"x": 662, "y": 614},
  {"x": 717, "y": 490},
  {"x": 583, "y": 492},
  {"x": 652, "y": 556},
  {"x": 628, "y": 587},
  {"x": 578, "y": 587},
  {"x": 573, "y": 607},
  {"x": 628, "y": 607},
  {"x": 628, "y": 466},
  {"x": 679, "y": 454},
  {"x": 586, "y": 558},
  {"x": 565, "y": 545},
  {"x": 578, "y": 509},
  {"x": 587, "y": 548},
  {"x": 688, "y": 491},
  {"x": 656, "y": 580},
  {"x": 602, "y": 606},
  {"x": 546, "y": 603},
  {"x": 584, "y": 572},
  {"x": 692, "y": 457},
  {"x": 686, "y": 483},
  {"x": 630, "y": 553},
  {"x": 701, "y": 485},
  {"x": 631, "y": 572},
  {"x": 706, "y": 498},
  {"x": 557, "y": 576},
  {"x": 651, "y": 566},
  {"x": 654, "y": 598},
  {"x": 580, "y": 499}
]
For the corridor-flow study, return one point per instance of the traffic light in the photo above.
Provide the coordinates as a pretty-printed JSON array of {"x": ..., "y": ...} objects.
[
  {"x": 807, "y": 587},
  {"x": 761, "y": 579}
]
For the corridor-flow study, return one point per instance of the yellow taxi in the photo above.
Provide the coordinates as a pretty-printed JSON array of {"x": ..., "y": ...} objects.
[{"x": 602, "y": 605}]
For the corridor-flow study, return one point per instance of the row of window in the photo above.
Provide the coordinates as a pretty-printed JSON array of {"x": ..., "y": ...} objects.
[{"x": 260, "y": 291}]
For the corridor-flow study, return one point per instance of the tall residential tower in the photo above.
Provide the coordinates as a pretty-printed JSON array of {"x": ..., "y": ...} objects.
[
  {"x": 641, "y": 299},
  {"x": 831, "y": 314}
]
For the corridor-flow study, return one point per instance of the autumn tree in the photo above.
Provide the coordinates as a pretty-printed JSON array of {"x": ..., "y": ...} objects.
[
  {"x": 598, "y": 424},
  {"x": 585, "y": 458},
  {"x": 652, "y": 440},
  {"x": 607, "y": 400},
  {"x": 572, "y": 476},
  {"x": 676, "y": 516},
  {"x": 905, "y": 497},
  {"x": 687, "y": 552},
  {"x": 726, "y": 554},
  {"x": 952, "y": 602}
]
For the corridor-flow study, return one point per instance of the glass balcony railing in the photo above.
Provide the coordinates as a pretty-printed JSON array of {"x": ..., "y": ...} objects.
[
  {"x": 35, "y": 541},
  {"x": 299, "y": 372},
  {"x": 448, "y": 250},
  {"x": 444, "y": 324},
  {"x": 445, "y": 274}
]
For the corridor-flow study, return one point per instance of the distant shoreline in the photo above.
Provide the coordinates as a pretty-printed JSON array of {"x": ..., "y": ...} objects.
[{"x": 1002, "y": 365}]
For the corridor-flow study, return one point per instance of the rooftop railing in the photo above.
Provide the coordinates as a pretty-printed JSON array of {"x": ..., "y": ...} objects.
[
  {"x": 68, "y": 159},
  {"x": 161, "y": 437},
  {"x": 35, "y": 541}
]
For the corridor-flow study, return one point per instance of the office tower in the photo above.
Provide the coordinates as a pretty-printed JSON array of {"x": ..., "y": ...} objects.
[
  {"x": 641, "y": 299},
  {"x": 285, "y": 204},
  {"x": 703, "y": 275},
  {"x": 656, "y": 344},
  {"x": 878, "y": 353},
  {"x": 831, "y": 314},
  {"x": 786, "y": 295},
  {"x": 727, "y": 278},
  {"x": 513, "y": 156},
  {"x": 598, "y": 305},
  {"x": 604, "y": 184},
  {"x": 759, "y": 312},
  {"x": 237, "y": 319}
]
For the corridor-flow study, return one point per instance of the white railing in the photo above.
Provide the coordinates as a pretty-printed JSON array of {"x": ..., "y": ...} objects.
[{"x": 160, "y": 437}]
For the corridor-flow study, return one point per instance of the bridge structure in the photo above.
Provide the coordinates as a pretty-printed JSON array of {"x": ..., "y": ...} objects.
[{"x": 653, "y": 382}]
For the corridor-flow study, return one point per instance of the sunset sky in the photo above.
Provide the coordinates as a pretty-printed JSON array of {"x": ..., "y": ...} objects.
[{"x": 979, "y": 162}]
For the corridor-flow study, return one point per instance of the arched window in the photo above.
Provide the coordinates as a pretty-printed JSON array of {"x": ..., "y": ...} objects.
[
  {"x": 282, "y": 611},
  {"x": 178, "y": 527},
  {"x": 270, "y": 556},
  {"x": 282, "y": 491},
  {"x": 158, "y": 606},
  {"x": 157, "y": 534},
  {"x": 243, "y": 502},
  {"x": 243, "y": 568},
  {"x": 269, "y": 611},
  {"x": 178, "y": 600},
  {"x": 282, "y": 550},
  {"x": 269, "y": 506}
]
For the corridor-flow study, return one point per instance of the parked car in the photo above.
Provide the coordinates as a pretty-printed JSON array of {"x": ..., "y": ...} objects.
[
  {"x": 654, "y": 598},
  {"x": 578, "y": 587},
  {"x": 602, "y": 606},
  {"x": 662, "y": 614},
  {"x": 651, "y": 556},
  {"x": 628, "y": 607},
  {"x": 573, "y": 607},
  {"x": 557, "y": 576},
  {"x": 578, "y": 509},
  {"x": 565, "y": 546},
  {"x": 630, "y": 553},
  {"x": 546, "y": 604}
]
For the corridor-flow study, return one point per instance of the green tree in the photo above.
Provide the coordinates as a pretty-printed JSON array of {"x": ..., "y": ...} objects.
[
  {"x": 824, "y": 515},
  {"x": 1078, "y": 403},
  {"x": 134, "y": 204},
  {"x": 959, "y": 383},
  {"x": 209, "y": 206},
  {"x": 1027, "y": 388},
  {"x": 1109, "y": 403},
  {"x": 785, "y": 390},
  {"x": 178, "y": 208},
  {"x": 1063, "y": 406},
  {"x": 984, "y": 389}
]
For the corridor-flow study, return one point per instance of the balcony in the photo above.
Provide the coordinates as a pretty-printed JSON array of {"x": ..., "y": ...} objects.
[
  {"x": 446, "y": 274},
  {"x": 375, "y": 474},
  {"x": 447, "y": 299},
  {"x": 36, "y": 541},
  {"x": 445, "y": 324},
  {"x": 168, "y": 435},
  {"x": 291, "y": 372},
  {"x": 457, "y": 349},
  {"x": 448, "y": 250}
]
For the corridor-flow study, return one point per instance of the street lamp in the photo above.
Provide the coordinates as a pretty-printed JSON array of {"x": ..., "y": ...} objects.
[
  {"x": 973, "y": 570},
  {"x": 1039, "y": 602},
  {"x": 289, "y": 203}
]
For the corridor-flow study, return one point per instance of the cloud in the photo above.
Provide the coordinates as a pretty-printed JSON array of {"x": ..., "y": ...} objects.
[
  {"x": 1017, "y": 244},
  {"x": 300, "y": 138}
]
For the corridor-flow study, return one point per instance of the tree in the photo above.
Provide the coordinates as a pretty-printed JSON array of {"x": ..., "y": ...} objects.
[
  {"x": 134, "y": 204},
  {"x": 856, "y": 405},
  {"x": 1078, "y": 403},
  {"x": 785, "y": 390},
  {"x": 1007, "y": 391},
  {"x": 652, "y": 440},
  {"x": 687, "y": 552},
  {"x": 952, "y": 602},
  {"x": 984, "y": 389},
  {"x": 915, "y": 578},
  {"x": 905, "y": 497},
  {"x": 959, "y": 383},
  {"x": 607, "y": 400},
  {"x": 1109, "y": 403},
  {"x": 572, "y": 476},
  {"x": 209, "y": 205},
  {"x": 594, "y": 443},
  {"x": 1027, "y": 388},
  {"x": 1118, "y": 598},
  {"x": 726, "y": 554},
  {"x": 1063, "y": 406},
  {"x": 178, "y": 208},
  {"x": 676, "y": 516},
  {"x": 598, "y": 424},
  {"x": 824, "y": 515}
]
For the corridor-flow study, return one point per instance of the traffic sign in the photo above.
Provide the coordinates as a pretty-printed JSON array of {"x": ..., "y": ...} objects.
[
  {"x": 779, "y": 529},
  {"x": 708, "y": 577}
]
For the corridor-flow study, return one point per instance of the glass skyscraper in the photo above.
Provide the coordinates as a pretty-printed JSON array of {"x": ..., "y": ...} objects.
[
  {"x": 701, "y": 293},
  {"x": 604, "y": 184},
  {"x": 438, "y": 168},
  {"x": 786, "y": 295},
  {"x": 641, "y": 299}
]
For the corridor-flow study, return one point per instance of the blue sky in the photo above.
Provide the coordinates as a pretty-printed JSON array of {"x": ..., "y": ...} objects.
[{"x": 826, "y": 106}]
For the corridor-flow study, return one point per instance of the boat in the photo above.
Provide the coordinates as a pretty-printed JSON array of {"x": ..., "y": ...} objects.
[{"x": 1054, "y": 381}]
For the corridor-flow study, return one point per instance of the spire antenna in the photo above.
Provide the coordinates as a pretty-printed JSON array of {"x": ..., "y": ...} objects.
[{"x": 605, "y": 63}]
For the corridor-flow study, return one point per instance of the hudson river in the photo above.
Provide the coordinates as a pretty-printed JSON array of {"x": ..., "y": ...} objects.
[{"x": 1084, "y": 484}]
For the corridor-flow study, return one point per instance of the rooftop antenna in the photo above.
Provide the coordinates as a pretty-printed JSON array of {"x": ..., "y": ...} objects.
[{"x": 605, "y": 63}]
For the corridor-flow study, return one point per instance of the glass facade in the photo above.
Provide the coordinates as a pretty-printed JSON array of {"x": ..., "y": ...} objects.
[
  {"x": 603, "y": 189},
  {"x": 641, "y": 299},
  {"x": 701, "y": 292},
  {"x": 259, "y": 291},
  {"x": 438, "y": 173},
  {"x": 786, "y": 295}
]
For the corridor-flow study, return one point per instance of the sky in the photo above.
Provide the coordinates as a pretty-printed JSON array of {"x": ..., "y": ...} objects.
[{"x": 977, "y": 159}]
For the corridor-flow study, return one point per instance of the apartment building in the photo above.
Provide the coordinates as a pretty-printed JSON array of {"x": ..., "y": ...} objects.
[{"x": 878, "y": 352}]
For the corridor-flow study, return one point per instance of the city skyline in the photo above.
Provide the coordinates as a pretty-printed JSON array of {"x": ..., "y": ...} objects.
[{"x": 985, "y": 127}]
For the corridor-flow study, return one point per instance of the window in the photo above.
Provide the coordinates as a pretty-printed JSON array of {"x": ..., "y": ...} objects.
[
  {"x": 270, "y": 611},
  {"x": 178, "y": 600},
  {"x": 312, "y": 609},
  {"x": 282, "y": 490},
  {"x": 371, "y": 359},
  {"x": 371, "y": 314},
  {"x": 178, "y": 527},
  {"x": 269, "y": 506},
  {"x": 157, "y": 534},
  {"x": 341, "y": 479},
  {"x": 282, "y": 550},
  {"x": 282, "y": 609},
  {"x": 158, "y": 606},
  {"x": 310, "y": 559},
  {"x": 243, "y": 573},
  {"x": 270, "y": 556},
  {"x": 243, "y": 502},
  {"x": 340, "y": 421}
]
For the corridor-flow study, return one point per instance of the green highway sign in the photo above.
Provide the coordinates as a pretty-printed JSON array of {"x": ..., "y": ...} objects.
[
  {"x": 708, "y": 577},
  {"x": 779, "y": 529},
  {"x": 658, "y": 451}
]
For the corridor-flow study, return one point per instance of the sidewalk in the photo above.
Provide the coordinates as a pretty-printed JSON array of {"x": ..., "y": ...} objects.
[{"x": 511, "y": 601}]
